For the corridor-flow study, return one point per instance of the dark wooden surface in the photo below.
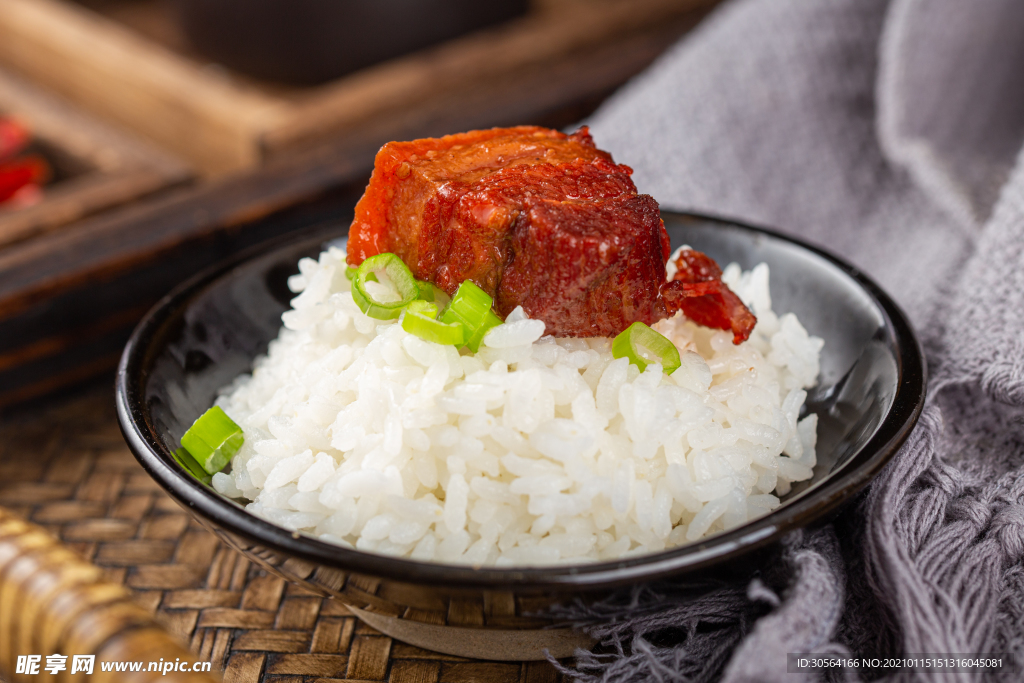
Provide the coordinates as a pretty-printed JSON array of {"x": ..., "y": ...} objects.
[
  {"x": 96, "y": 166},
  {"x": 64, "y": 465},
  {"x": 68, "y": 300}
]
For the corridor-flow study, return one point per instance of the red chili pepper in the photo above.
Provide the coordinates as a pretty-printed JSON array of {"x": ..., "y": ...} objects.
[
  {"x": 17, "y": 174},
  {"x": 13, "y": 138}
]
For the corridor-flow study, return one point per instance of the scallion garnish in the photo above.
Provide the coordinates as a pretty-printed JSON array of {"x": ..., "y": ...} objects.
[
  {"x": 384, "y": 269},
  {"x": 183, "y": 458},
  {"x": 642, "y": 345},
  {"x": 350, "y": 272},
  {"x": 431, "y": 292},
  {"x": 471, "y": 306},
  {"x": 421, "y": 320},
  {"x": 213, "y": 439}
]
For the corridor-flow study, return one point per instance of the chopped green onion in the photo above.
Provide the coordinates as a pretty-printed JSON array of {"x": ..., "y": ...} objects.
[
  {"x": 350, "y": 272},
  {"x": 423, "y": 308},
  {"x": 430, "y": 292},
  {"x": 642, "y": 345},
  {"x": 213, "y": 439},
  {"x": 490, "y": 320},
  {"x": 426, "y": 290},
  {"x": 471, "y": 306},
  {"x": 395, "y": 272},
  {"x": 182, "y": 457},
  {"x": 421, "y": 320}
]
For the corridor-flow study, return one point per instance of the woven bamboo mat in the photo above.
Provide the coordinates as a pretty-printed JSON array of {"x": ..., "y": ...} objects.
[{"x": 65, "y": 466}]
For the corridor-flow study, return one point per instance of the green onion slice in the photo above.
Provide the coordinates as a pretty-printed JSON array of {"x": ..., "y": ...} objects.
[
  {"x": 471, "y": 306},
  {"x": 213, "y": 439},
  {"x": 431, "y": 292},
  {"x": 642, "y": 345},
  {"x": 426, "y": 290},
  {"x": 350, "y": 272},
  {"x": 183, "y": 458},
  {"x": 421, "y": 320},
  {"x": 384, "y": 268}
]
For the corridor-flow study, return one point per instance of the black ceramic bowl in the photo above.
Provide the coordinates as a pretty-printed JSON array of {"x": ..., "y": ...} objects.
[{"x": 208, "y": 331}]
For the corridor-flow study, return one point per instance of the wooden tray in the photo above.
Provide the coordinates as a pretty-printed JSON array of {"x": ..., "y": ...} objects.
[
  {"x": 110, "y": 167},
  {"x": 143, "y": 78},
  {"x": 67, "y": 468}
]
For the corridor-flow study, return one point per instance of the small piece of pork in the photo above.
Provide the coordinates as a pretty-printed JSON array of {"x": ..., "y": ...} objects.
[{"x": 697, "y": 289}]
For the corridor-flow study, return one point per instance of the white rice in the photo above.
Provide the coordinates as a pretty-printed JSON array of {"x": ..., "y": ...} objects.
[{"x": 534, "y": 450}]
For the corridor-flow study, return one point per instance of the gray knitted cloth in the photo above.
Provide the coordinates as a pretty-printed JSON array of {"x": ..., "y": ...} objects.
[{"x": 889, "y": 132}]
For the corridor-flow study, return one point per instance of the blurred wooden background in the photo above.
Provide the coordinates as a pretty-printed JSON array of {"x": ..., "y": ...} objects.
[
  {"x": 274, "y": 158},
  {"x": 193, "y": 163},
  {"x": 97, "y": 165},
  {"x": 132, "y": 65}
]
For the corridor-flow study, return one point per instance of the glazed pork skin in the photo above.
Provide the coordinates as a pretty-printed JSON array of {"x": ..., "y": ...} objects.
[
  {"x": 492, "y": 220},
  {"x": 415, "y": 186},
  {"x": 588, "y": 269},
  {"x": 535, "y": 217}
]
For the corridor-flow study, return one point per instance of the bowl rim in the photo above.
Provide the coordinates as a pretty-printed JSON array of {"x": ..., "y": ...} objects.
[{"x": 813, "y": 507}]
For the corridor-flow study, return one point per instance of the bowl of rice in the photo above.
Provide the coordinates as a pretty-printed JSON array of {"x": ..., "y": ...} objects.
[{"x": 451, "y": 499}]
